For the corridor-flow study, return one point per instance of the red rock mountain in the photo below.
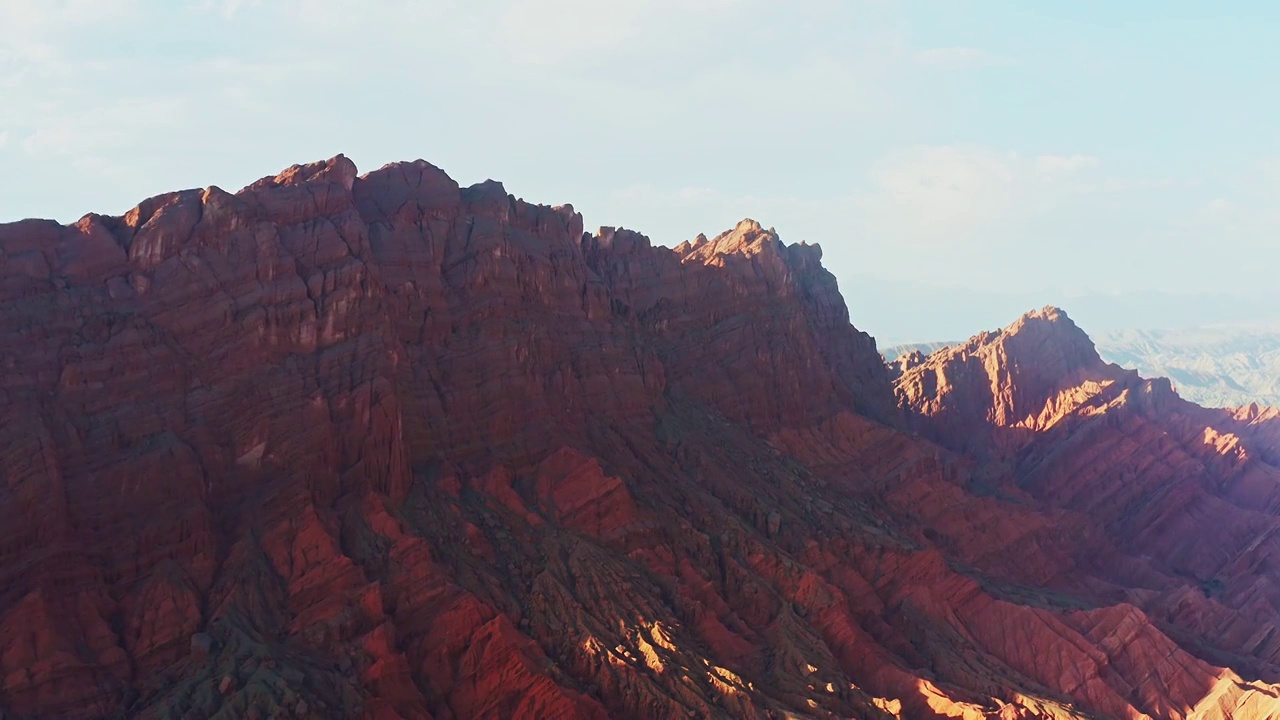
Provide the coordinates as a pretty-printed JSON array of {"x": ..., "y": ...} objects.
[{"x": 383, "y": 447}]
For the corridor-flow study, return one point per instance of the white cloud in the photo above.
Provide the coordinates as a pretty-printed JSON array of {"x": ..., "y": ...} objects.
[
  {"x": 702, "y": 197},
  {"x": 41, "y": 39},
  {"x": 670, "y": 216},
  {"x": 1219, "y": 205},
  {"x": 941, "y": 194},
  {"x": 35, "y": 30},
  {"x": 4, "y": 138},
  {"x": 681, "y": 196},
  {"x": 549, "y": 31},
  {"x": 226, "y": 8},
  {"x": 924, "y": 196},
  {"x": 1247, "y": 211},
  {"x": 115, "y": 124},
  {"x": 953, "y": 194},
  {"x": 392, "y": 22},
  {"x": 959, "y": 57},
  {"x": 1265, "y": 179},
  {"x": 1050, "y": 165},
  {"x": 1122, "y": 184}
]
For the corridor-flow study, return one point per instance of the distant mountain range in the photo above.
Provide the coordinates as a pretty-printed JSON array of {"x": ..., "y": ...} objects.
[
  {"x": 1218, "y": 366},
  {"x": 897, "y": 311}
]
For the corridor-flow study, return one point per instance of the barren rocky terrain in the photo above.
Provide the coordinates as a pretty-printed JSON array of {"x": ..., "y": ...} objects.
[{"x": 380, "y": 446}]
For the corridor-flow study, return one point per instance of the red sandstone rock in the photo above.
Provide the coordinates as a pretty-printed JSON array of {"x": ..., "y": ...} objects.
[{"x": 384, "y": 447}]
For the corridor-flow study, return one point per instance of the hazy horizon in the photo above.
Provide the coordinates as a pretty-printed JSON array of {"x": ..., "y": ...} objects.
[{"x": 1000, "y": 155}]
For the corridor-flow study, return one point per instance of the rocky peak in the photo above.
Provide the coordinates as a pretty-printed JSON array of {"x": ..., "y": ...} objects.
[
  {"x": 1020, "y": 376},
  {"x": 1255, "y": 412},
  {"x": 1049, "y": 331},
  {"x": 621, "y": 241},
  {"x": 688, "y": 246},
  {"x": 1036, "y": 335},
  {"x": 404, "y": 190},
  {"x": 336, "y": 169},
  {"x": 747, "y": 238},
  {"x": 906, "y": 362},
  {"x": 489, "y": 192},
  {"x": 774, "y": 301}
]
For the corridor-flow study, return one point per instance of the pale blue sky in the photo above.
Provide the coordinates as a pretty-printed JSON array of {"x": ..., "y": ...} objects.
[{"x": 1021, "y": 152}]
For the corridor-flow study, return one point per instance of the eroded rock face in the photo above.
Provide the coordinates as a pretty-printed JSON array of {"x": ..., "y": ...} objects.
[
  {"x": 1180, "y": 499},
  {"x": 380, "y": 446}
]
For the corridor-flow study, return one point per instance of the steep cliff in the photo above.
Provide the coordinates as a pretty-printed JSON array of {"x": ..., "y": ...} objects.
[{"x": 381, "y": 446}]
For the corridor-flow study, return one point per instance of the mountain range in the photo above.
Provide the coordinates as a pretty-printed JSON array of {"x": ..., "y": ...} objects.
[
  {"x": 1221, "y": 366},
  {"x": 380, "y": 446},
  {"x": 1215, "y": 366}
]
